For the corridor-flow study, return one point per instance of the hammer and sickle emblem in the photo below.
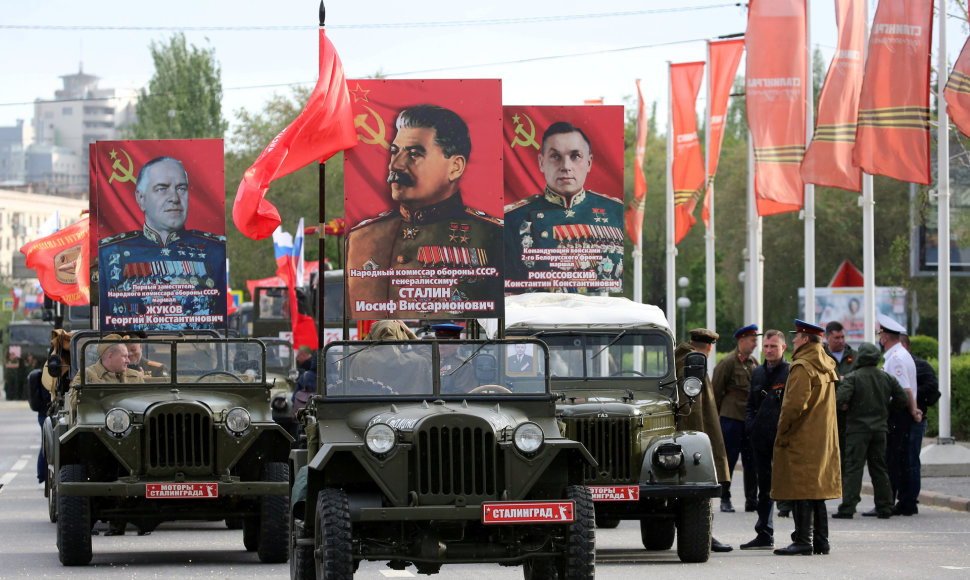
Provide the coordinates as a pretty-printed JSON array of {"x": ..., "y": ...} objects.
[
  {"x": 368, "y": 134},
  {"x": 522, "y": 135},
  {"x": 125, "y": 172}
]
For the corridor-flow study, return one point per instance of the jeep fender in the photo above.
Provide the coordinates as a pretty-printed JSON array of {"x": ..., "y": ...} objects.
[{"x": 691, "y": 442}]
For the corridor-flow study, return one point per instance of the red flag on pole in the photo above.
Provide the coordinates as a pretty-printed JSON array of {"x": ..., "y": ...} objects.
[
  {"x": 325, "y": 127},
  {"x": 775, "y": 101},
  {"x": 725, "y": 56},
  {"x": 828, "y": 160},
  {"x": 957, "y": 91},
  {"x": 688, "y": 163},
  {"x": 633, "y": 217},
  {"x": 61, "y": 263},
  {"x": 893, "y": 137}
]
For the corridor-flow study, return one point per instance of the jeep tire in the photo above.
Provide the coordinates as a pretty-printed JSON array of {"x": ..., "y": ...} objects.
[
  {"x": 657, "y": 533},
  {"x": 73, "y": 521},
  {"x": 301, "y": 557},
  {"x": 332, "y": 537},
  {"x": 274, "y": 518},
  {"x": 578, "y": 562},
  {"x": 694, "y": 530}
]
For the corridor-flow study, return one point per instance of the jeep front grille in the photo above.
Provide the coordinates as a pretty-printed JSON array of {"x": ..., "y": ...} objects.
[
  {"x": 179, "y": 437},
  {"x": 456, "y": 461},
  {"x": 610, "y": 440}
]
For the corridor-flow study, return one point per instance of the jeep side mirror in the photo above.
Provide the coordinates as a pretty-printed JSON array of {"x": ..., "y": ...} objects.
[{"x": 695, "y": 366}]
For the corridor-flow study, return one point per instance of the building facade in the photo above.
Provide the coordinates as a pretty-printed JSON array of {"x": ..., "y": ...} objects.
[{"x": 21, "y": 217}]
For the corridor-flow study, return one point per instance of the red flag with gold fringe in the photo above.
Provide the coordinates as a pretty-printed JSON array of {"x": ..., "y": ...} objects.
[
  {"x": 633, "y": 217},
  {"x": 61, "y": 263},
  {"x": 957, "y": 91},
  {"x": 724, "y": 56},
  {"x": 775, "y": 101},
  {"x": 688, "y": 162},
  {"x": 893, "y": 136}
]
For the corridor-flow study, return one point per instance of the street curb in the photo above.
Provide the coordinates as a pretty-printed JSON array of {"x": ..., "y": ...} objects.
[{"x": 931, "y": 498}]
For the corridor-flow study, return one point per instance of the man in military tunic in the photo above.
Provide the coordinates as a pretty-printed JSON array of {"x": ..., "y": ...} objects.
[
  {"x": 844, "y": 358},
  {"x": 457, "y": 375},
  {"x": 147, "y": 368},
  {"x": 185, "y": 268},
  {"x": 702, "y": 414},
  {"x": 111, "y": 366},
  {"x": 395, "y": 258},
  {"x": 731, "y": 381},
  {"x": 566, "y": 227}
]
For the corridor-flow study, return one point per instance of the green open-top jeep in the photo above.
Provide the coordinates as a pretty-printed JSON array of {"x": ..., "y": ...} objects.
[
  {"x": 438, "y": 452},
  {"x": 197, "y": 444},
  {"x": 612, "y": 362}
]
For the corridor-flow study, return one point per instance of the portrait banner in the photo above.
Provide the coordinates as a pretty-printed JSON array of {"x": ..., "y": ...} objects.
[
  {"x": 564, "y": 214},
  {"x": 844, "y": 305},
  {"x": 158, "y": 213},
  {"x": 775, "y": 101},
  {"x": 957, "y": 91},
  {"x": 423, "y": 200},
  {"x": 893, "y": 136},
  {"x": 724, "y": 56},
  {"x": 687, "y": 166}
]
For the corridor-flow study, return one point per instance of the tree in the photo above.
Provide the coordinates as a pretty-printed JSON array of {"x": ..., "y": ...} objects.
[{"x": 184, "y": 97}]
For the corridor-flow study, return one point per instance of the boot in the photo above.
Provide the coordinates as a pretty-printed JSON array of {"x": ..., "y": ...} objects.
[
  {"x": 726, "y": 506},
  {"x": 820, "y": 530},
  {"x": 802, "y": 514}
]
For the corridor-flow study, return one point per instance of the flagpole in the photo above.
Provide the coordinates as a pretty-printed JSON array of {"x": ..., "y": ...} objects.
[
  {"x": 752, "y": 213},
  {"x": 809, "y": 202},
  {"x": 671, "y": 245},
  {"x": 709, "y": 235},
  {"x": 943, "y": 232},
  {"x": 868, "y": 232}
]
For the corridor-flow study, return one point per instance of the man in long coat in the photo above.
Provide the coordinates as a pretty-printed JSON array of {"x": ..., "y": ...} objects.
[
  {"x": 806, "y": 466},
  {"x": 702, "y": 414}
]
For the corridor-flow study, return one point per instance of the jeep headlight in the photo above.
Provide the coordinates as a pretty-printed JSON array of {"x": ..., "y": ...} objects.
[
  {"x": 117, "y": 421},
  {"x": 379, "y": 438},
  {"x": 669, "y": 456},
  {"x": 692, "y": 386},
  {"x": 528, "y": 437},
  {"x": 238, "y": 420}
]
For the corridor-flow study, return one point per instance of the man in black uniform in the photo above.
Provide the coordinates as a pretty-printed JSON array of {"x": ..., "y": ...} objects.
[{"x": 433, "y": 230}]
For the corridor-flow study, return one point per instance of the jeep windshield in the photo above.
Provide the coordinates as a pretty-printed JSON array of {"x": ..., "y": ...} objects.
[
  {"x": 607, "y": 355},
  {"x": 436, "y": 368},
  {"x": 182, "y": 362},
  {"x": 29, "y": 334}
]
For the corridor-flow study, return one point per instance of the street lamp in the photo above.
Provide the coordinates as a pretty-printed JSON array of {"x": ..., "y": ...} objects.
[{"x": 683, "y": 302}]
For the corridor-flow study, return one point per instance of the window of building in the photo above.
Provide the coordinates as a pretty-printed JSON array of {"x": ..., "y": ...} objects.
[{"x": 67, "y": 111}]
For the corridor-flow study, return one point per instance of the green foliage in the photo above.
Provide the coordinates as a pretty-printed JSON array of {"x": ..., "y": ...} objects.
[
  {"x": 184, "y": 97},
  {"x": 959, "y": 400},
  {"x": 924, "y": 347}
]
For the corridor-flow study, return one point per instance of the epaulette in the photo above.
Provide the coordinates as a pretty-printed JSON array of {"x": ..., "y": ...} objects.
[
  {"x": 522, "y": 202},
  {"x": 152, "y": 363},
  {"x": 377, "y": 218},
  {"x": 120, "y": 237},
  {"x": 484, "y": 216},
  {"x": 603, "y": 196},
  {"x": 208, "y": 236}
]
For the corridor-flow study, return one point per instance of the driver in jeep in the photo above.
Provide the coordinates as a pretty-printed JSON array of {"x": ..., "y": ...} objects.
[{"x": 111, "y": 366}]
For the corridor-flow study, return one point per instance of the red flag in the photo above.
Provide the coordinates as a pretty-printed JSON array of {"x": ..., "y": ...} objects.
[
  {"x": 325, "y": 127},
  {"x": 828, "y": 160},
  {"x": 61, "y": 263},
  {"x": 893, "y": 137},
  {"x": 957, "y": 91},
  {"x": 724, "y": 56},
  {"x": 775, "y": 101},
  {"x": 633, "y": 217},
  {"x": 688, "y": 163}
]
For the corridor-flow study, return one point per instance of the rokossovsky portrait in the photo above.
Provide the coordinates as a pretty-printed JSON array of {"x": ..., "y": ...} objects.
[
  {"x": 423, "y": 200},
  {"x": 564, "y": 196},
  {"x": 160, "y": 208}
]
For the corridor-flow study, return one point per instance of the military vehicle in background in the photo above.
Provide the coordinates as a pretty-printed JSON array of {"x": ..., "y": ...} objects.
[
  {"x": 612, "y": 364},
  {"x": 438, "y": 452}
]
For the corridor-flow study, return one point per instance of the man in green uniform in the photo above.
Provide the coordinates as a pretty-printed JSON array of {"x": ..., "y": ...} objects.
[
  {"x": 457, "y": 376},
  {"x": 147, "y": 368},
  {"x": 844, "y": 358},
  {"x": 805, "y": 466},
  {"x": 731, "y": 383},
  {"x": 433, "y": 257},
  {"x": 111, "y": 366},
  {"x": 867, "y": 393},
  {"x": 702, "y": 414}
]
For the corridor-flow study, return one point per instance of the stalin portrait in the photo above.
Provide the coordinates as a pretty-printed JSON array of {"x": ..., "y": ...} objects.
[
  {"x": 163, "y": 276},
  {"x": 433, "y": 256},
  {"x": 566, "y": 227}
]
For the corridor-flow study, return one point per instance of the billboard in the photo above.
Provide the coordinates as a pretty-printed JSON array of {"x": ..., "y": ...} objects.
[{"x": 845, "y": 305}]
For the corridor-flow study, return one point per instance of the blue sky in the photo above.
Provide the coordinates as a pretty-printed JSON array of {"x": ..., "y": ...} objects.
[{"x": 613, "y": 42}]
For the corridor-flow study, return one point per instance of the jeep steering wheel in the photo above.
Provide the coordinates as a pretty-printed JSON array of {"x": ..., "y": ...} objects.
[
  {"x": 488, "y": 389},
  {"x": 628, "y": 372},
  {"x": 235, "y": 378}
]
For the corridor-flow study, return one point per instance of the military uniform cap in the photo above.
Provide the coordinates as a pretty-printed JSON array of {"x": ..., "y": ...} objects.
[
  {"x": 106, "y": 345},
  {"x": 447, "y": 330},
  {"x": 888, "y": 324},
  {"x": 704, "y": 335},
  {"x": 807, "y": 328},
  {"x": 749, "y": 330},
  {"x": 305, "y": 349}
]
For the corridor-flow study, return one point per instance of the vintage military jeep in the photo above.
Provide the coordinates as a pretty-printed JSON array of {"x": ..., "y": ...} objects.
[
  {"x": 438, "y": 452},
  {"x": 199, "y": 444},
  {"x": 281, "y": 374},
  {"x": 612, "y": 363}
]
